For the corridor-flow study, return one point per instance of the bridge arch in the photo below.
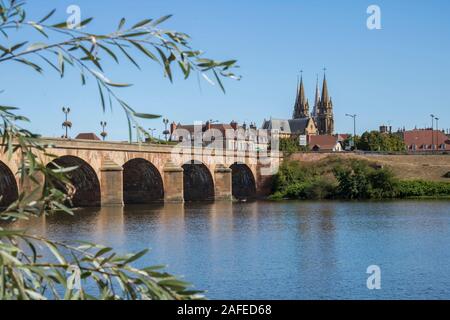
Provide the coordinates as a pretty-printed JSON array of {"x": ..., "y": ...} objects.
[
  {"x": 142, "y": 182},
  {"x": 243, "y": 182},
  {"x": 85, "y": 189},
  {"x": 9, "y": 192},
  {"x": 198, "y": 182}
]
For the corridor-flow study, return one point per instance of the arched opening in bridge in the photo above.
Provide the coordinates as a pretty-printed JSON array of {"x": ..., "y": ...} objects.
[
  {"x": 243, "y": 182},
  {"x": 8, "y": 186},
  {"x": 142, "y": 182},
  {"x": 198, "y": 182},
  {"x": 85, "y": 187}
]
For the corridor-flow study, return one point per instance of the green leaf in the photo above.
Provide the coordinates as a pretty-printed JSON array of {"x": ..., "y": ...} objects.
[
  {"x": 142, "y": 23},
  {"x": 161, "y": 20},
  {"x": 102, "y": 98},
  {"x": 61, "y": 63},
  {"x": 121, "y": 23},
  {"x": 147, "y": 52},
  {"x": 47, "y": 16},
  {"x": 135, "y": 257},
  {"x": 109, "y": 51},
  {"x": 36, "y": 46},
  {"x": 39, "y": 28},
  {"x": 219, "y": 81},
  {"x": 127, "y": 55},
  {"x": 146, "y": 115},
  {"x": 30, "y": 64},
  {"x": 86, "y": 22}
]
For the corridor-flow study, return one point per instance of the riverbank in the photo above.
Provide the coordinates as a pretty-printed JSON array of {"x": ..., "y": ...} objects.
[{"x": 350, "y": 179}]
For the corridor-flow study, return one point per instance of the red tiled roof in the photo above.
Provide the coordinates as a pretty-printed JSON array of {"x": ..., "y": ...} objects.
[
  {"x": 422, "y": 138},
  {"x": 87, "y": 136},
  {"x": 343, "y": 136},
  {"x": 323, "y": 142}
]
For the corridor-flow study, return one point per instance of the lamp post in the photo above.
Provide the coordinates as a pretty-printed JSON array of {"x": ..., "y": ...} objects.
[
  {"x": 432, "y": 131},
  {"x": 151, "y": 131},
  {"x": 354, "y": 128},
  {"x": 437, "y": 132},
  {"x": 66, "y": 124},
  {"x": 166, "y": 132},
  {"x": 104, "y": 134}
]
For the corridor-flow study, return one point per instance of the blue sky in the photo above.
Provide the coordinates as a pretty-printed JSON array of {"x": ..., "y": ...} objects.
[{"x": 397, "y": 75}]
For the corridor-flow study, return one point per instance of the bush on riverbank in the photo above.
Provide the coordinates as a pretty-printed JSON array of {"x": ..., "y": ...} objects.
[
  {"x": 349, "y": 179},
  {"x": 420, "y": 188}
]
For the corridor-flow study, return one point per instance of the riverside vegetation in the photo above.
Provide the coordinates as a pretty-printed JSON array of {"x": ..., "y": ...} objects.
[{"x": 336, "y": 178}]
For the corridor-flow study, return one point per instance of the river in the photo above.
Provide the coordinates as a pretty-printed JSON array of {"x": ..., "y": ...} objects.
[{"x": 281, "y": 250}]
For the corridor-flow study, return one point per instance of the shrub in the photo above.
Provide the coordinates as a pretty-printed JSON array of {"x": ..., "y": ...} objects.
[{"x": 420, "y": 188}]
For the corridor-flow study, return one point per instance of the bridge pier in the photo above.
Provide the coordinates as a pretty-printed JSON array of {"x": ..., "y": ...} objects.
[
  {"x": 33, "y": 189},
  {"x": 223, "y": 183},
  {"x": 111, "y": 184},
  {"x": 173, "y": 183}
]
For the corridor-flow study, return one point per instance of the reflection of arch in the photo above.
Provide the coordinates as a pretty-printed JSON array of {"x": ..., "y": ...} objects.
[
  {"x": 84, "y": 180},
  {"x": 197, "y": 182},
  {"x": 142, "y": 182},
  {"x": 8, "y": 186},
  {"x": 243, "y": 181}
]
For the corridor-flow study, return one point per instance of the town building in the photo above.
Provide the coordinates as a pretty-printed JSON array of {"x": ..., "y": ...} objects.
[
  {"x": 423, "y": 140},
  {"x": 326, "y": 143},
  {"x": 231, "y": 136}
]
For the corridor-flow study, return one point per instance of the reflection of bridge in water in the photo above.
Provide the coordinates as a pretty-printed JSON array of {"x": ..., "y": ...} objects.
[{"x": 111, "y": 173}]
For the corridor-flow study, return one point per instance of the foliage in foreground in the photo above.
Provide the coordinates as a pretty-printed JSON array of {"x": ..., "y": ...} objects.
[
  {"x": 33, "y": 267},
  {"x": 350, "y": 180}
]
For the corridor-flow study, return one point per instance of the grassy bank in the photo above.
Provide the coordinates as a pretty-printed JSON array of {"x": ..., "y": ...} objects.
[{"x": 350, "y": 179}]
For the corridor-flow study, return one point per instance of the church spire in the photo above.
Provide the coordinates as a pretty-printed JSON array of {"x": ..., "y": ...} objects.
[
  {"x": 301, "y": 108},
  {"x": 325, "y": 96},
  {"x": 317, "y": 97}
]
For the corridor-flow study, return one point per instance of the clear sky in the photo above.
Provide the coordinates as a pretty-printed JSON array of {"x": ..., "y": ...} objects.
[{"x": 397, "y": 75}]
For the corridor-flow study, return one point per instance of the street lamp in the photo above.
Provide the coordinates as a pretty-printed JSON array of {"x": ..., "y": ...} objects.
[
  {"x": 103, "y": 133},
  {"x": 354, "y": 128},
  {"x": 166, "y": 132},
  {"x": 432, "y": 131},
  {"x": 437, "y": 132},
  {"x": 66, "y": 124},
  {"x": 151, "y": 130}
]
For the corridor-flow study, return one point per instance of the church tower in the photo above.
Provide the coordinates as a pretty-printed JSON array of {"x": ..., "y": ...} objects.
[
  {"x": 301, "y": 108},
  {"x": 325, "y": 116}
]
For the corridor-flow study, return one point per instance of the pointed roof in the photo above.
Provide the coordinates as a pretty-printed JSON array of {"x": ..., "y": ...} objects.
[
  {"x": 317, "y": 98},
  {"x": 325, "y": 96},
  {"x": 301, "y": 107},
  {"x": 302, "y": 92}
]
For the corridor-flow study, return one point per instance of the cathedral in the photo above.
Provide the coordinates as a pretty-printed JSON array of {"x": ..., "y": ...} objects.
[
  {"x": 318, "y": 122},
  {"x": 322, "y": 112}
]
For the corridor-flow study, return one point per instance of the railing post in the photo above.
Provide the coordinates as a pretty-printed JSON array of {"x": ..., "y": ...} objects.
[
  {"x": 223, "y": 183},
  {"x": 111, "y": 184},
  {"x": 173, "y": 183}
]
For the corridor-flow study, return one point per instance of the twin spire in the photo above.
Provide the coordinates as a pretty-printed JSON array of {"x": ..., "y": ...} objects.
[{"x": 301, "y": 108}]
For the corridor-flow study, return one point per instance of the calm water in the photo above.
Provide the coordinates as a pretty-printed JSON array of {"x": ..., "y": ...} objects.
[{"x": 288, "y": 250}]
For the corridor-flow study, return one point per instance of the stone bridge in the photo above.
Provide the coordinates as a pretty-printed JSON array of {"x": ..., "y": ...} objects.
[{"x": 116, "y": 173}]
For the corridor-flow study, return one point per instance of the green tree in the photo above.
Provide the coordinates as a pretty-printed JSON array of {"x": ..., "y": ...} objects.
[
  {"x": 376, "y": 141},
  {"x": 33, "y": 267}
]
